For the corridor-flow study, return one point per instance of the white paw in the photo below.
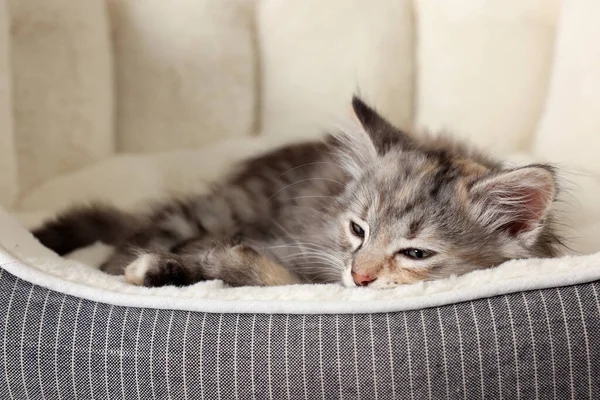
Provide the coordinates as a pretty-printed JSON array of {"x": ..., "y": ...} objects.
[
  {"x": 347, "y": 279},
  {"x": 136, "y": 271}
]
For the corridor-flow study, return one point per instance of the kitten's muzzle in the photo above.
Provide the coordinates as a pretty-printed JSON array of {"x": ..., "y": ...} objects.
[{"x": 362, "y": 280}]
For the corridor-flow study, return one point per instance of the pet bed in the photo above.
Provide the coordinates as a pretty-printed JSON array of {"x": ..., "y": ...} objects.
[
  {"x": 527, "y": 329},
  {"x": 83, "y": 85}
]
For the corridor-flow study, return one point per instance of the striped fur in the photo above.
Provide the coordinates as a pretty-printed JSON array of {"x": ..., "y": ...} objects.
[{"x": 287, "y": 216}]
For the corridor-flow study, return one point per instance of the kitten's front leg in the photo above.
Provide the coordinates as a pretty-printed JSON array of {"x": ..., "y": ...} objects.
[{"x": 238, "y": 265}]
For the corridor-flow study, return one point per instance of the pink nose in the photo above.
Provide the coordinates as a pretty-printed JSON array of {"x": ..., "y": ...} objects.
[{"x": 362, "y": 280}]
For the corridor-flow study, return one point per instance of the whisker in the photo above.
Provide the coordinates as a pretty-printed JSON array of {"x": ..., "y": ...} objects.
[
  {"x": 305, "y": 180},
  {"x": 311, "y": 197},
  {"x": 311, "y": 163}
]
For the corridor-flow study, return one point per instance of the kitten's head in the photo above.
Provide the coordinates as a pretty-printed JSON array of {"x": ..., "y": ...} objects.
[{"x": 420, "y": 209}]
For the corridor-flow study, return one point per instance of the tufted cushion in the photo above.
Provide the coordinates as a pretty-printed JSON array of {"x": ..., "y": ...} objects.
[
  {"x": 570, "y": 128},
  {"x": 8, "y": 177},
  {"x": 185, "y": 72},
  {"x": 484, "y": 68},
  {"x": 62, "y": 86},
  {"x": 315, "y": 54}
]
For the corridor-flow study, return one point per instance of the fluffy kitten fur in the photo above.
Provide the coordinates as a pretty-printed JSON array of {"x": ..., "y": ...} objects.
[{"x": 369, "y": 206}]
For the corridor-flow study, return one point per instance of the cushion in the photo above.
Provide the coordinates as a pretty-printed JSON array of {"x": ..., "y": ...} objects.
[
  {"x": 570, "y": 128},
  {"x": 8, "y": 160},
  {"x": 522, "y": 330},
  {"x": 185, "y": 72},
  {"x": 569, "y": 132},
  {"x": 316, "y": 54},
  {"x": 484, "y": 68},
  {"x": 524, "y": 345},
  {"x": 62, "y": 86}
]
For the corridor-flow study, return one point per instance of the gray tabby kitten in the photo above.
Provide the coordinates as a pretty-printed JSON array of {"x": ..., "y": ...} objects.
[{"x": 371, "y": 206}]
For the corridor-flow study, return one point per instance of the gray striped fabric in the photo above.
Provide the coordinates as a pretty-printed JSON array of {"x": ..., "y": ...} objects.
[{"x": 539, "y": 344}]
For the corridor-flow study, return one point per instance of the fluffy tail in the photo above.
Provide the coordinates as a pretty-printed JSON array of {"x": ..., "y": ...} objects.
[{"x": 79, "y": 227}]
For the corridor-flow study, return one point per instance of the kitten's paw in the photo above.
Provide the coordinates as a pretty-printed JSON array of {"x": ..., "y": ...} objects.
[
  {"x": 156, "y": 270},
  {"x": 135, "y": 273}
]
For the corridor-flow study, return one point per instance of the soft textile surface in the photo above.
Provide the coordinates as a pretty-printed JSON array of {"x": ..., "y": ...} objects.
[
  {"x": 62, "y": 85},
  {"x": 130, "y": 180},
  {"x": 484, "y": 68},
  {"x": 191, "y": 73},
  {"x": 127, "y": 180},
  {"x": 17, "y": 245},
  {"x": 84, "y": 80},
  {"x": 185, "y": 72},
  {"x": 8, "y": 166},
  {"x": 569, "y": 133},
  {"x": 570, "y": 128},
  {"x": 315, "y": 54},
  {"x": 538, "y": 344}
]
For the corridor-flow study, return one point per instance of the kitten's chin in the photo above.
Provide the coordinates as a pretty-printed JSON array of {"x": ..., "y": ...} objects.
[{"x": 347, "y": 279}]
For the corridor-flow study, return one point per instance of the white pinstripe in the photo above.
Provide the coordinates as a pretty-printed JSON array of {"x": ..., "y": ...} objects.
[
  {"x": 73, "y": 349},
  {"x": 39, "y": 366},
  {"x": 564, "y": 313},
  {"x": 391, "y": 354},
  {"x": 135, "y": 355},
  {"x": 151, "y": 358},
  {"x": 121, "y": 353},
  {"x": 410, "y": 377},
  {"x": 285, "y": 348},
  {"x": 426, "y": 356},
  {"x": 337, "y": 347},
  {"x": 478, "y": 337},
  {"x": 321, "y": 357},
  {"x": 535, "y": 370},
  {"x": 269, "y": 357},
  {"x": 304, "y": 358},
  {"x": 596, "y": 297},
  {"x": 62, "y": 304},
  {"x": 497, "y": 348},
  {"x": 587, "y": 343},
  {"x": 12, "y": 295},
  {"x": 218, "y": 358},
  {"x": 462, "y": 355},
  {"x": 183, "y": 372},
  {"x": 444, "y": 353},
  {"x": 200, "y": 371},
  {"x": 106, "y": 353},
  {"x": 373, "y": 355},
  {"x": 167, "y": 355},
  {"x": 552, "y": 362},
  {"x": 235, "y": 346},
  {"x": 23, "y": 341},
  {"x": 355, "y": 356},
  {"x": 514, "y": 335},
  {"x": 90, "y": 351},
  {"x": 252, "y": 387}
]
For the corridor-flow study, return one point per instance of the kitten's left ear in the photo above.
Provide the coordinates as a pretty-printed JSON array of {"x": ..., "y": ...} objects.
[
  {"x": 383, "y": 134},
  {"x": 514, "y": 201}
]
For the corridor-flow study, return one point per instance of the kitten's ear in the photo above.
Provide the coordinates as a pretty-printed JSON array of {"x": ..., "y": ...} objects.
[
  {"x": 383, "y": 134},
  {"x": 514, "y": 201}
]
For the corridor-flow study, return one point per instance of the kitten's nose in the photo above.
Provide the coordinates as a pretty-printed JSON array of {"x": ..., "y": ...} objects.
[{"x": 362, "y": 280}]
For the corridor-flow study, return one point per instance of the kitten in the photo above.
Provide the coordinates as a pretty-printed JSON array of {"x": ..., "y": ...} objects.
[{"x": 370, "y": 206}]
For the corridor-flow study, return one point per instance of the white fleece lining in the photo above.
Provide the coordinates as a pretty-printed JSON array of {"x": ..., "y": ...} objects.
[
  {"x": 584, "y": 274},
  {"x": 22, "y": 256}
]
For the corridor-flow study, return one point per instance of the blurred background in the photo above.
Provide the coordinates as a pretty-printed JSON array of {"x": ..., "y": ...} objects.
[{"x": 123, "y": 100}]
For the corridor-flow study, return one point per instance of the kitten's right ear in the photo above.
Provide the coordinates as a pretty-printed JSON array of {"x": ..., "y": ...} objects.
[
  {"x": 515, "y": 201},
  {"x": 383, "y": 135}
]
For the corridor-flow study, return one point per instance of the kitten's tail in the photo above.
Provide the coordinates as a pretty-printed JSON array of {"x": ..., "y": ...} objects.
[{"x": 84, "y": 225}]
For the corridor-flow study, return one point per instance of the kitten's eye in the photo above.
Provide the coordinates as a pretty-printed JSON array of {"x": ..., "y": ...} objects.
[
  {"x": 416, "y": 254},
  {"x": 357, "y": 230}
]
